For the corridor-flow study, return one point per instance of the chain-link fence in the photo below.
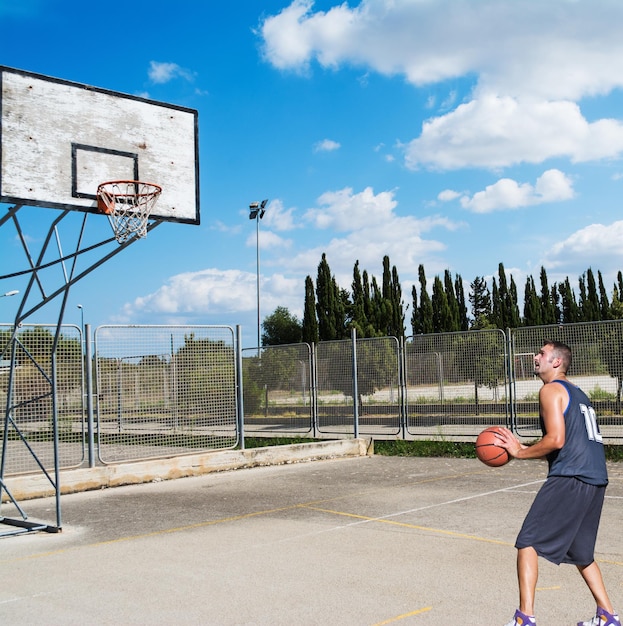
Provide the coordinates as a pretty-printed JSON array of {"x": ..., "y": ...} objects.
[
  {"x": 170, "y": 390},
  {"x": 278, "y": 390},
  {"x": 29, "y": 436},
  {"x": 164, "y": 390},
  {"x": 456, "y": 382},
  {"x": 597, "y": 367}
]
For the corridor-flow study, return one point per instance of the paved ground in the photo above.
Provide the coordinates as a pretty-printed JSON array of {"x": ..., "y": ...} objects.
[{"x": 364, "y": 541}]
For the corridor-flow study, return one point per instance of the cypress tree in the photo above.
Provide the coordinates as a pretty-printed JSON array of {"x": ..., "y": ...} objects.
[
  {"x": 604, "y": 305},
  {"x": 532, "y": 305},
  {"x": 589, "y": 300},
  {"x": 327, "y": 303},
  {"x": 415, "y": 314},
  {"x": 460, "y": 297},
  {"x": 548, "y": 313},
  {"x": 367, "y": 305},
  {"x": 426, "y": 306},
  {"x": 442, "y": 315},
  {"x": 514, "y": 319},
  {"x": 398, "y": 319},
  {"x": 453, "y": 304},
  {"x": 480, "y": 299},
  {"x": 504, "y": 298},
  {"x": 496, "y": 306},
  {"x": 310, "y": 321},
  {"x": 358, "y": 317},
  {"x": 555, "y": 298},
  {"x": 386, "y": 307},
  {"x": 569, "y": 307}
]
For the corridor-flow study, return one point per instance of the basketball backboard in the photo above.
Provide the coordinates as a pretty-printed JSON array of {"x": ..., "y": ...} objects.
[{"x": 59, "y": 140}]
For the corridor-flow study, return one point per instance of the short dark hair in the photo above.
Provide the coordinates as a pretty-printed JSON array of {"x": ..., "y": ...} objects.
[{"x": 561, "y": 350}]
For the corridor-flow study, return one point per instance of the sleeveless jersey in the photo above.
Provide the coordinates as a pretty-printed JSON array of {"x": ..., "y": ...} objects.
[{"x": 582, "y": 455}]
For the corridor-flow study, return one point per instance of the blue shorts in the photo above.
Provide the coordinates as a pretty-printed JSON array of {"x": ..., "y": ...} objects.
[{"x": 563, "y": 521}]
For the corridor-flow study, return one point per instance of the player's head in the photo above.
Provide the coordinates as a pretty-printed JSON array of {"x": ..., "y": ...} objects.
[{"x": 559, "y": 350}]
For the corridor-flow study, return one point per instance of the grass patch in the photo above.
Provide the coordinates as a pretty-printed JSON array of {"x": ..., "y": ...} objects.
[
  {"x": 264, "y": 442},
  {"x": 420, "y": 448},
  {"x": 453, "y": 449},
  {"x": 425, "y": 448}
]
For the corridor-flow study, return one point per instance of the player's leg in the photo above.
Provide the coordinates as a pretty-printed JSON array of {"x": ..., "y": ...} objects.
[
  {"x": 595, "y": 582},
  {"x": 527, "y": 576}
]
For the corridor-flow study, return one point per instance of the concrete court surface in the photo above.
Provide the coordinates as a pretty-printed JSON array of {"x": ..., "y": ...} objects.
[{"x": 360, "y": 541}]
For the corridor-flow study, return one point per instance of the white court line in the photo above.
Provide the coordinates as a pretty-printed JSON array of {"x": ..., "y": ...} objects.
[{"x": 432, "y": 506}]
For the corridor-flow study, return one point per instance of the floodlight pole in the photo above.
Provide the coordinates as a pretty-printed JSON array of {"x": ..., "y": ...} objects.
[{"x": 256, "y": 212}]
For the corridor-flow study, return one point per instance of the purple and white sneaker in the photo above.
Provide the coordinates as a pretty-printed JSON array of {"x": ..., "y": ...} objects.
[
  {"x": 602, "y": 618},
  {"x": 521, "y": 619}
]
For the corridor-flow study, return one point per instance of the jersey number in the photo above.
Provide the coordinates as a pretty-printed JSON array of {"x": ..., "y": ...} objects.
[{"x": 590, "y": 420}]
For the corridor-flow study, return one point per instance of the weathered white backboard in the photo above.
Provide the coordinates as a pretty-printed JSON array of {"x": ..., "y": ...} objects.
[{"x": 59, "y": 140}]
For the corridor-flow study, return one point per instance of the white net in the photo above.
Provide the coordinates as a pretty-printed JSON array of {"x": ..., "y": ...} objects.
[{"x": 128, "y": 204}]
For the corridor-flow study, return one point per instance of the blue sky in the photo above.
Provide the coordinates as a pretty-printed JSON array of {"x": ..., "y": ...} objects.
[{"x": 447, "y": 133}]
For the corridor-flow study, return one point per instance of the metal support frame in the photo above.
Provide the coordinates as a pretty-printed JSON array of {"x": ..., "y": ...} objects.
[{"x": 41, "y": 289}]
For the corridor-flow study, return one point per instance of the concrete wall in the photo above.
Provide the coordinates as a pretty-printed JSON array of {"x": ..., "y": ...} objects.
[{"x": 84, "y": 479}]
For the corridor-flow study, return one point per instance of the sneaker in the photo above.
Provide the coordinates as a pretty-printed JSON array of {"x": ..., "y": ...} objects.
[
  {"x": 602, "y": 618},
  {"x": 521, "y": 619}
]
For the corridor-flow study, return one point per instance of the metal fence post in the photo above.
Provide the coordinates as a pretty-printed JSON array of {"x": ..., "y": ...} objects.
[
  {"x": 353, "y": 335},
  {"x": 240, "y": 408},
  {"x": 314, "y": 390},
  {"x": 88, "y": 363}
]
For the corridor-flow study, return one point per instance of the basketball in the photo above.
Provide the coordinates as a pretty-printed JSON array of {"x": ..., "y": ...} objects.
[{"x": 487, "y": 451}]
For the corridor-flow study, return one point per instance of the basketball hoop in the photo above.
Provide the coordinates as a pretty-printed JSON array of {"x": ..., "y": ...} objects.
[{"x": 128, "y": 204}]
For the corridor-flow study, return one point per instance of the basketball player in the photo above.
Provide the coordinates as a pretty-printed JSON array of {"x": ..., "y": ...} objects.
[{"x": 561, "y": 526}]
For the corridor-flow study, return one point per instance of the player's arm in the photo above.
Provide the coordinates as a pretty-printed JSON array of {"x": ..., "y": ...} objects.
[{"x": 553, "y": 401}]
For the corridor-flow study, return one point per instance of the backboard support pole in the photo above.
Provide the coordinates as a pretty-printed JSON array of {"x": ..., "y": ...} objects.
[{"x": 45, "y": 283}]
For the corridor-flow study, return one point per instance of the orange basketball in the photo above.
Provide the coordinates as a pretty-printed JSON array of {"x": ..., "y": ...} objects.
[{"x": 487, "y": 451}]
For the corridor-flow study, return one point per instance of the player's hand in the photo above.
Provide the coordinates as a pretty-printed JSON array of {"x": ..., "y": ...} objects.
[{"x": 508, "y": 441}]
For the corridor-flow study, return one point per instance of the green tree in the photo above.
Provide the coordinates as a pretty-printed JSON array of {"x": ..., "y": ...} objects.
[
  {"x": 569, "y": 307},
  {"x": 310, "y": 321},
  {"x": 460, "y": 297},
  {"x": 532, "y": 305},
  {"x": 330, "y": 304},
  {"x": 496, "y": 316},
  {"x": 358, "y": 318},
  {"x": 589, "y": 300},
  {"x": 414, "y": 311},
  {"x": 453, "y": 303},
  {"x": 480, "y": 300},
  {"x": 281, "y": 327},
  {"x": 616, "y": 306},
  {"x": 548, "y": 309},
  {"x": 425, "y": 312},
  {"x": 392, "y": 308},
  {"x": 604, "y": 305},
  {"x": 442, "y": 315}
]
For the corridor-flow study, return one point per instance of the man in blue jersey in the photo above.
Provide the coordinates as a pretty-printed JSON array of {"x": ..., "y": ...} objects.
[{"x": 563, "y": 520}]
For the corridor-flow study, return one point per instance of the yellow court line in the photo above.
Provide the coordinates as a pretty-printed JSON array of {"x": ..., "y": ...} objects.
[
  {"x": 439, "y": 531},
  {"x": 391, "y": 620}
]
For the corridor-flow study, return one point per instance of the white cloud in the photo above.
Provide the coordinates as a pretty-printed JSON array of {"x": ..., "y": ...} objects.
[
  {"x": 160, "y": 73},
  {"x": 345, "y": 210},
  {"x": 495, "y": 131},
  {"x": 371, "y": 229},
  {"x": 327, "y": 145},
  {"x": 592, "y": 243},
  {"x": 215, "y": 292},
  {"x": 530, "y": 62},
  {"x": 551, "y": 186},
  {"x": 553, "y": 49},
  {"x": 447, "y": 195}
]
